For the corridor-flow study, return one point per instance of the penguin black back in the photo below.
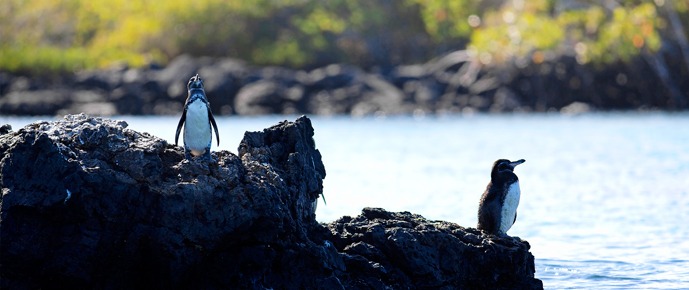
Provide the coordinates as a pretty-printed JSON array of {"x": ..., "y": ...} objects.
[{"x": 498, "y": 207}]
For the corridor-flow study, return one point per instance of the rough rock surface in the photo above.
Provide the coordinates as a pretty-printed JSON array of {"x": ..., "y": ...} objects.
[
  {"x": 87, "y": 203},
  {"x": 402, "y": 250}
]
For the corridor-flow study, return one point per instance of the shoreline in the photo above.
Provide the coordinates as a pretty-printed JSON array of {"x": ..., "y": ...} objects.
[{"x": 446, "y": 85}]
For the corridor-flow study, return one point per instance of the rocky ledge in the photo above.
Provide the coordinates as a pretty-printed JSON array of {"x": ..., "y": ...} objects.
[{"x": 87, "y": 203}]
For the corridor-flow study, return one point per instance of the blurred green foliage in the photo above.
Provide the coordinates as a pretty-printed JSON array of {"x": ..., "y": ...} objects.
[{"x": 67, "y": 35}]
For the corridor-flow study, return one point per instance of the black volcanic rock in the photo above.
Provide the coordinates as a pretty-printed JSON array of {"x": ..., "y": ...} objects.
[
  {"x": 453, "y": 83},
  {"x": 87, "y": 203},
  {"x": 406, "y": 251},
  {"x": 39, "y": 102},
  {"x": 262, "y": 98}
]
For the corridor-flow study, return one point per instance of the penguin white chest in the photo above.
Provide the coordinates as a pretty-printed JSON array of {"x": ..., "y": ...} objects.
[
  {"x": 197, "y": 128},
  {"x": 509, "y": 207}
]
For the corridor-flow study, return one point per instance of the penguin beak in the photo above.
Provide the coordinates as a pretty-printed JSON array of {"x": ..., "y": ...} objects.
[{"x": 515, "y": 163}]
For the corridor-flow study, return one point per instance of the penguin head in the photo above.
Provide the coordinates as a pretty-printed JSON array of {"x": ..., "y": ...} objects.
[
  {"x": 195, "y": 89},
  {"x": 503, "y": 165},
  {"x": 195, "y": 82}
]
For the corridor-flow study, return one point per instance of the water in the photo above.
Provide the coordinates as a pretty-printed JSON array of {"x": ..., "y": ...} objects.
[{"x": 605, "y": 197}]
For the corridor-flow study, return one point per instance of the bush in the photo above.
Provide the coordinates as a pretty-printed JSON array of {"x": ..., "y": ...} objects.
[{"x": 67, "y": 35}]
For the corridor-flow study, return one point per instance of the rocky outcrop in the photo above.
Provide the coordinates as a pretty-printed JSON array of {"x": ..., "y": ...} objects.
[
  {"x": 453, "y": 83},
  {"x": 87, "y": 203},
  {"x": 406, "y": 251}
]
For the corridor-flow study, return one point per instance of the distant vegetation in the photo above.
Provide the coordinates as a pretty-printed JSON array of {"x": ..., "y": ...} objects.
[{"x": 68, "y": 35}]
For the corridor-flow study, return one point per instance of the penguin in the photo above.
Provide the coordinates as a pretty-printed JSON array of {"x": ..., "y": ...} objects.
[
  {"x": 197, "y": 119},
  {"x": 497, "y": 210}
]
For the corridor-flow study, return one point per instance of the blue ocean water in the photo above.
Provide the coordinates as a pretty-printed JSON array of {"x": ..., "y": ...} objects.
[{"x": 605, "y": 197}]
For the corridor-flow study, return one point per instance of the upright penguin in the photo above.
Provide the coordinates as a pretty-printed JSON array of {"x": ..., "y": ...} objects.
[
  {"x": 197, "y": 119},
  {"x": 497, "y": 210}
]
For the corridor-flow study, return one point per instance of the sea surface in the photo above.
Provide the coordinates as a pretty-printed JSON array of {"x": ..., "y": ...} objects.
[{"x": 605, "y": 196}]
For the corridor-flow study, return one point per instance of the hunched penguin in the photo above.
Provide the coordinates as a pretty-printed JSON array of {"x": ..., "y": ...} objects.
[
  {"x": 497, "y": 210},
  {"x": 197, "y": 119}
]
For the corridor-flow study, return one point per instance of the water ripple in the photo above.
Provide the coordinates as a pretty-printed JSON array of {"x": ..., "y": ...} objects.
[{"x": 610, "y": 274}]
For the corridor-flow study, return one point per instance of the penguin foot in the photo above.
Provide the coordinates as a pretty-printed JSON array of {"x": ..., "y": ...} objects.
[{"x": 187, "y": 154}]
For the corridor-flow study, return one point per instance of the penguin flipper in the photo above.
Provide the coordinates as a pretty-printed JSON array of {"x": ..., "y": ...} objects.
[
  {"x": 515, "y": 218},
  {"x": 215, "y": 126},
  {"x": 179, "y": 125},
  {"x": 487, "y": 223}
]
